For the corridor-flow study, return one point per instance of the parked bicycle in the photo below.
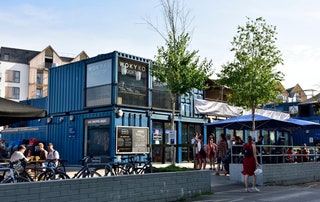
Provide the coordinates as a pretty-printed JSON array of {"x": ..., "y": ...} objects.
[
  {"x": 11, "y": 174},
  {"x": 53, "y": 173},
  {"x": 132, "y": 165},
  {"x": 92, "y": 169},
  {"x": 145, "y": 168}
]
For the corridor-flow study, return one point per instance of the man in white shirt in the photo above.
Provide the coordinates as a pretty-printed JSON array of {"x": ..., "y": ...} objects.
[
  {"x": 17, "y": 155},
  {"x": 52, "y": 157},
  {"x": 229, "y": 142}
]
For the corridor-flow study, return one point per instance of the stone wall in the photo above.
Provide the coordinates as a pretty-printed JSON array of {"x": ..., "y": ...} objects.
[
  {"x": 148, "y": 187},
  {"x": 281, "y": 173}
]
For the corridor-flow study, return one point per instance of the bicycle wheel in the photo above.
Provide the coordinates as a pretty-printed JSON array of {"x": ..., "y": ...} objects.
[
  {"x": 21, "y": 179},
  {"x": 90, "y": 173},
  {"x": 143, "y": 170},
  {"x": 104, "y": 171},
  {"x": 15, "y": 180},
  {"x": 122, "y": 170},
  {"x": 47, "y": 175},
  {"x": 57, "y": 175},
  {"x": 139, "y": 171},
  {"x": 60, "y": 175}
]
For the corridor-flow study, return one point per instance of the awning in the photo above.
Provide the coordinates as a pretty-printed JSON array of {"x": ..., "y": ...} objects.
[
  {"x": 12, "y": 112},
  {"x": 264, "y": 123},
  {"x": 212, "y": 108},
  {"x": 220, "y": 109}
]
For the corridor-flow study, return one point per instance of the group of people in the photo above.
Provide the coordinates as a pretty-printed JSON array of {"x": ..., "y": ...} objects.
[
  {"x": 215, "y": 153},
  {"x": 302, "y": 155},
  {"x": 49, "y": 157},
  {"x": 221, "y": 153}
]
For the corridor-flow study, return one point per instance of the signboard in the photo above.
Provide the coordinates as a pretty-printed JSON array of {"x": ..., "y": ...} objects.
[
  {"x": 132, "y": 140},
  {"x": 157, "y": 137},
  {"x": 171, "y": 137}
]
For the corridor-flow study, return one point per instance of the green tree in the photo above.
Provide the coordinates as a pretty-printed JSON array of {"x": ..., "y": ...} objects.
[
  {"x": 177, "y": 67},
  {"x": 252, "y": 76}
]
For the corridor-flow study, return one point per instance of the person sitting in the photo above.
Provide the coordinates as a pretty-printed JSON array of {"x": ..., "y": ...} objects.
[
  {"x": 19, "y": 154},
  {"x": 305, "y": 152},
  {"x": 289, "y": 157},
  {"x": 42, "y": 153},
  {"x": 52, "y": 157}
]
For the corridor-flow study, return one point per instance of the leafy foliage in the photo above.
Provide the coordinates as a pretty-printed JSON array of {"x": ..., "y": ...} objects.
[
  {"x": 179, "y": 68},
  {"x": 172, "y": 168},
  {"x": 252, "y": 76}
]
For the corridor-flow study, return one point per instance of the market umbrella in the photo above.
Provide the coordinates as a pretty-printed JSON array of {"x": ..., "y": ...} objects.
[{"x": 263, "y": 123}]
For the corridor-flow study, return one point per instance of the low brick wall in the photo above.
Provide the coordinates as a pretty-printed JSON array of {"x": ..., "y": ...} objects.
[
  {"x": 148, "y": 187},
  {"x": 281, "y": 173}
]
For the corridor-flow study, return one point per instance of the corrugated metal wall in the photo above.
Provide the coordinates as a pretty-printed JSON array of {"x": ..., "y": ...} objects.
[
  {"x": 67, "y": 85},
  {"x": 66, "y": 88},
  {"x": 66, "y": 97},
  {"x": 19, "y": 134},
  {"x": 70, "y": 146}
]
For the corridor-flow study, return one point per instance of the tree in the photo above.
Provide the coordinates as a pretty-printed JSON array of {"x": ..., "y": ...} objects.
[
  {"x": 252, "y": 76},
  {"x": 180, "y": 69}
]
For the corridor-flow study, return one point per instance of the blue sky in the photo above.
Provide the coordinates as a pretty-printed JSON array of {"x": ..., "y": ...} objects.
[{"x": 102, "y": 26}]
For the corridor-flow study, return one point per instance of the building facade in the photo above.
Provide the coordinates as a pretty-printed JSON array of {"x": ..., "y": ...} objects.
[
  {"x": 110, "y": 105},
  {"x": 24, "y": 73}
]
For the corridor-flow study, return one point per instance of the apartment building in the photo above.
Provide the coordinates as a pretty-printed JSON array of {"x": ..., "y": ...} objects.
[{"x": 24, "y": 73}]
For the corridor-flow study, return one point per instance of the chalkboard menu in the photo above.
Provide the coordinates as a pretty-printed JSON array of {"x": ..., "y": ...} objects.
[{"x": 132, "y": 140}]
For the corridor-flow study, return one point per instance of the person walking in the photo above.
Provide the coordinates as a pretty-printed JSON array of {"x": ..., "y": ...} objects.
[
  {"x": 202, "y": 156},
  {"x": 250, "y": 164},
  {"x": 221, "y": 152}
]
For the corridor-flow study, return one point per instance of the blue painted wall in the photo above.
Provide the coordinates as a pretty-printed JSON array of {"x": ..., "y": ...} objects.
[{"x": 66, "y": 98}]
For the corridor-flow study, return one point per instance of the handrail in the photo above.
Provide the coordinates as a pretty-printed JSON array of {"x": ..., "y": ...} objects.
[{"x": 277, "y": 154}]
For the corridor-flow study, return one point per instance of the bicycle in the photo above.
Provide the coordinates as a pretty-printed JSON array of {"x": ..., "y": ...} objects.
[
  {"x": 130, "y": 165},
  {"x": 90, "y": 169},
  {"x": 146, "y": 168},
  {"x": 13, "y": 175},
  {"x": 53, "y": 173}
]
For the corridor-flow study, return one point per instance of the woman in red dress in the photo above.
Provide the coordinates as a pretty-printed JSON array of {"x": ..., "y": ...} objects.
[{"x": 250, "y": 164}]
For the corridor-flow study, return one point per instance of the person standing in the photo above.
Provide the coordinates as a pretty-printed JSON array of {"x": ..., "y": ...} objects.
[
  {"x": 195, "y": 141},
  {"x": 250, "y": 164},
  {"x": 229, "y": 141},
  {"x": 222, "y": 151},
  {"x": 260, "y": 150},
  {"x": 201, "y": 153},
  {"x": 211, "y": 149},
  {"x": 236, "y": 149},
  {"x": 53, "y": 156}
]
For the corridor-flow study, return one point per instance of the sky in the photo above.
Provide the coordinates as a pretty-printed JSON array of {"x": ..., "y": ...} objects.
[{"x": 103, "y": 26}]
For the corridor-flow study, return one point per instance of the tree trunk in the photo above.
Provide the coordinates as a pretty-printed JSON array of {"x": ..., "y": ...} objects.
[
  {"x": 253, "y": 109},
  {"x": 173, "y": 151}
]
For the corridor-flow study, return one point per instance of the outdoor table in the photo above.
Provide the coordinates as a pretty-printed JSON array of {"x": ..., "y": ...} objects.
[{"x": 35, "y": 167}]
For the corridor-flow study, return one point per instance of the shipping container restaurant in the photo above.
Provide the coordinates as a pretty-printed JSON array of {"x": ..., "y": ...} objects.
[{"x": 110, "y": 105}]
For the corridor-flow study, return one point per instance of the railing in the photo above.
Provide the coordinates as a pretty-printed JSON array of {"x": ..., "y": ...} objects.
[{"x": 268, "y": 154}]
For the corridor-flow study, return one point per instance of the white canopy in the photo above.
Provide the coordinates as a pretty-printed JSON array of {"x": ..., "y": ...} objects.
[{"x": 220, "y": 109}]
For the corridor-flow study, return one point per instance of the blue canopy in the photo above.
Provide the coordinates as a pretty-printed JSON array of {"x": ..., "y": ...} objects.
[
  {"x": 264, "y": 123},
  {"x": 303, "y": 124}
]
